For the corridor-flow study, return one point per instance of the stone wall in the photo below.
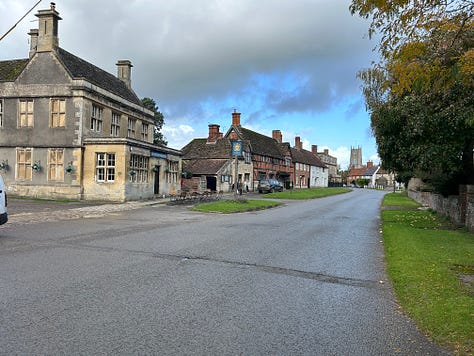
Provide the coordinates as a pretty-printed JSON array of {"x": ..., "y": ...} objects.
[{"x": 459, "y": 208}]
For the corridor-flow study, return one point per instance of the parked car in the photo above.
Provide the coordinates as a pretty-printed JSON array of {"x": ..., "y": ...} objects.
[
  {"x": 3, "y": 202},
  {"x": 269, "y": 186}
]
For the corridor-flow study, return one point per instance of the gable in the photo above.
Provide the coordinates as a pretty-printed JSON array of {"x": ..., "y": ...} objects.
[
  {"x": 44, "y": 68},
  {"x": 81, "y": 69}
]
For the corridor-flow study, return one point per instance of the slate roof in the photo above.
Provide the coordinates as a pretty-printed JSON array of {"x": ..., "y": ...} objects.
[
  {"x": 303, "y": 156},
  {"x": 78, "y": 69},
  {"x": 11, "y": 69},
  {"x": 81, "y": 69},
  {"x": 363, "y": 172},
  {"x": 370, "y": 171}
]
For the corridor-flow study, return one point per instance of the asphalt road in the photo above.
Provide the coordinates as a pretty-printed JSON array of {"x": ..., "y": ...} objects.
[{"x": 307, "y": 278}]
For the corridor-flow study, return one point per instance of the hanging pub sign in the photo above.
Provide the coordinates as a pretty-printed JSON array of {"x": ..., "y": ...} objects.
[{"x": 236, "y": 148}]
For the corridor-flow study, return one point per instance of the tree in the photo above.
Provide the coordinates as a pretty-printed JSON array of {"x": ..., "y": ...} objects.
[
  {"x": 421, "y": 94},
  {"x": 159, "y": 120}
]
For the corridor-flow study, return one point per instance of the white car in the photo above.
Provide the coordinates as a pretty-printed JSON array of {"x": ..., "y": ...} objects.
[{"x": 3, "y": 203}]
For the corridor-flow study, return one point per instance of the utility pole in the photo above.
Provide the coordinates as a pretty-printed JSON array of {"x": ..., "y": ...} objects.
[{"x": 11, "y": 29}]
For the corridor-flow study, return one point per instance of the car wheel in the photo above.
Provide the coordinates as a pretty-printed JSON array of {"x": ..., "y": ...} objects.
[{"x": 272, "y": 190}]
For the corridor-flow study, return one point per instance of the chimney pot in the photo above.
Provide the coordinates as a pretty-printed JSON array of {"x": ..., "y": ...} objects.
[
  {"x": 276, "y": 134},
  {"x": 236, "y": 118},
  {"x": 314, "y": 149},
  {"x": 33, "y": 41},
  {"x": 124, "y": 72},
  {"x": 48, "y": 39},
  {"x": 214, "y": 133},
  {"x": 298, "y": 143}
]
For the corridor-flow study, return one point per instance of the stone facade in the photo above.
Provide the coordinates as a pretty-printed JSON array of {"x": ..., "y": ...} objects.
[
  {"x": 70, "y": 130},
  {"x": 458, "y": 208}
]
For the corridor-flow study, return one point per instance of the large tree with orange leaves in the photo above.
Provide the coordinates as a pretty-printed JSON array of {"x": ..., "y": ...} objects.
[{"x": 421, "y": 94}]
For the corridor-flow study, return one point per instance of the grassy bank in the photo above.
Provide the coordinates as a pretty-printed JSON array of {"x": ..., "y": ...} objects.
[
  {"x": 235, "y": 206},
  {"x": 306, "y": 193},
  {"x": 431, "y": 266}
]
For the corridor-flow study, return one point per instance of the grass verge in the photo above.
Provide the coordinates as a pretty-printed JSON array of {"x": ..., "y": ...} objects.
[
  {"x": 431, "y": 266},
  {"x": 235, "y": 206},
  {"x": 306, "y": 193}
]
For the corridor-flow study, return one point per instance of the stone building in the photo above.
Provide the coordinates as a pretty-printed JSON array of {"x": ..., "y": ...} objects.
[
  {"x": 211, "y": 160},
  {"x": 71, "y": 130},
  {"x": 334, "y": 178}
]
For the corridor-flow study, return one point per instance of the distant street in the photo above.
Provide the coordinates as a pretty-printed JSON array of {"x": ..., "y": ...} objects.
[{"x": 307, "y": 278}]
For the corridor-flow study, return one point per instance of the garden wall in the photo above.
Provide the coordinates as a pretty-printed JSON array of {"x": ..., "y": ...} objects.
[{"x": 459, "y": 208}]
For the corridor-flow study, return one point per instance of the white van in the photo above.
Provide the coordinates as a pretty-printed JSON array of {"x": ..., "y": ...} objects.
[{"x": 3, "y": 203}]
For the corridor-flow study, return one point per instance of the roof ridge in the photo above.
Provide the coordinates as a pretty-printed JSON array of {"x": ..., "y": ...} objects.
[{"x": 78, "y": 67}]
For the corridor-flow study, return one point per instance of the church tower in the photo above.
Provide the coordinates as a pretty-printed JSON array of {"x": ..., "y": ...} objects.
[{"x": 356, "y": 158}]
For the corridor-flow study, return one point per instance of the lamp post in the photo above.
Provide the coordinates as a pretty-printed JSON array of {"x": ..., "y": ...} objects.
[{"x": 236, "y": 151}]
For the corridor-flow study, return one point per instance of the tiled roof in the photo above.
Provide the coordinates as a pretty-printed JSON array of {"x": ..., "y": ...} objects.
[
  {"x": 79, "y": 68},
  {"x": 261, "y": 144},
  {"x": 299, "y": 155},
  {"x": 10, "y": 70},
  {"x": 200, "y": 149},
  {"x": 207, "y": 166},
  {"x": 356, "y": 172}
]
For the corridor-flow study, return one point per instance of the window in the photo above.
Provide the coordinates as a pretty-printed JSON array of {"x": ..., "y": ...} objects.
[
  {"x": 56, "y": 165},
  {"x": 287, "y": 162},
  {"x": 1, "y": 112},
  {"x": 172, "y": 171},
  {"x": 138, "y": 169},
  {"x": 144, "y": 132},
  {"x": 23, "y": 163},
  {"x": 58, "y": 113},
  {"x": 131, "y": 128},
  {"x": 105, "y": 167},
  {"x": 115, "y": 125},
  {"x": 96, "y": 118},
  {"x": 26, "y": 113},
  {"x": 247, "y": 157}
]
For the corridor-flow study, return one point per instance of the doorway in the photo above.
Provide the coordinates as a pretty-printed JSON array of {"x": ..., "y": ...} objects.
[{"x": 156, "y": 184}]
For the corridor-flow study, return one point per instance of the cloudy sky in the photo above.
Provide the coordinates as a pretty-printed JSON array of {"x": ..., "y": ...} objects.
[{"x": 283, "y": 64}]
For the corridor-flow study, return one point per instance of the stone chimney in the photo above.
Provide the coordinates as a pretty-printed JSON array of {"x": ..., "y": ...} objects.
[
  {"x": 33, "y": 41},
  {"x": 236, "y": 118},
  {"x": 314, "y": 149},
  {"x": 276, "y": 134},
  {"x": 214, "y": 133},
  {"x": 298, "y": 143},
  {"x": 124, "y": 72},
  {"x": 48, "y": 29},
  {"x": 370, "y": 164}
]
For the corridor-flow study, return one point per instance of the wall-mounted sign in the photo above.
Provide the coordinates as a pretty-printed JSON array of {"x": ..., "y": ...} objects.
[
  {"x": 236, "y": 148},
  {"x": 158, "y": 154}
]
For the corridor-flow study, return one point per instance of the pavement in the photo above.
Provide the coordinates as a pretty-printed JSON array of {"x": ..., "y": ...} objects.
[{"x": 27, "y": 211}]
